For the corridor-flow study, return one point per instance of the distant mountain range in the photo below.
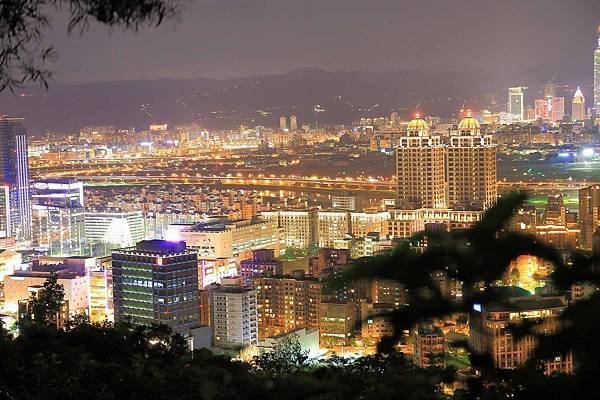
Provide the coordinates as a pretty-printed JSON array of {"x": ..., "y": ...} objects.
[{"x": 345, "y": 96}]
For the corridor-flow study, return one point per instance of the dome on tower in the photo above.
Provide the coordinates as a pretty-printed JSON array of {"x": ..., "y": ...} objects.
[
  {"x": 468, "y": 123},
  {"x": 417, "y": 124},
  {"x": 578, "y": 97}
]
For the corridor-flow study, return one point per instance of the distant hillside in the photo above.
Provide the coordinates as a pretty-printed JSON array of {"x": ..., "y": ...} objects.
[{"x": 345, "y": 95}]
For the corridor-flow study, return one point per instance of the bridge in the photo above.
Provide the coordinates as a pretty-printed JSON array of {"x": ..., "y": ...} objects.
[{"x": 294, "y": 182}]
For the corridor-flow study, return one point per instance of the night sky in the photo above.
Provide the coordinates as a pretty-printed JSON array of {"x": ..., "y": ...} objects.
[{"x": 234, "y": 38}]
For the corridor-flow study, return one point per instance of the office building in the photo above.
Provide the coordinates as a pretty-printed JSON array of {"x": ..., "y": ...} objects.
[
  {"x": 326, "y": 260},
  {"x": 285, "y": 303},
  {"x": 365, "y": 223},
  {"x": 222, "y": 238},
  {"x": 472, "y": 177},
  {"x": 156, "y": 281},
  {"x": 541, "y": 109},
  {"x": 298, "y": 227},
  {"x": 293, "y": 123},
  {"x": 516, "y": 108},
  {"x": 589, "y": 215},
  {"x": 283, "y": 123},
  {"x": 113, "y": 228},
  {"x": 332, "y": 226},
  {"x": 337, "y": 322},
  {"x": 234, "y": 319},
  {"x": 578, "y": 106},
  {"x": 58, "y": 217},
  {"x": 4, "y": 211},
  {"x": 14, "y": 173},
  {"x": 597, "y": 77},
  {"x": 420, "y": 168},
  {"x": 348, "y": 203},
  {"x": 489, "y": 333},
  {"x": 17, "y": 284},
  {"x": 9, "y": 261},
  {"x": 101, "y": 307},
  {"x": 558, "y": 109},
  {"x": 262, "y": 263},
  {"x": 375, "y": 324}
]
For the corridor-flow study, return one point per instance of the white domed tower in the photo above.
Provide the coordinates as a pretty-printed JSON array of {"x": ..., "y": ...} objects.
[
  {"x": 472, "y": 175},
  {"x": 420, "y": 168}
]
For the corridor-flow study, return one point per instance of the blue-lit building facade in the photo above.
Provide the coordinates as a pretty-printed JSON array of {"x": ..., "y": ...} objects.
[
  {"x": 156, "y": 282},
  {"x": 14, "y": 173}
]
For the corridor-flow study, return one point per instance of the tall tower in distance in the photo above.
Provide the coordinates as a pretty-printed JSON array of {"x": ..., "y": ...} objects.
[
  {"x": 293, "y": 123},
  {"x": 14, "y": 173},
  {"x": 282, "y": 123},
  {"x": 471, "y": 168},
  {"x": 420, "y": 168},
  {"x": 578, "y": 106},
  {"x": 516, "y": 107},
  {"x": 597, "y": 77}
]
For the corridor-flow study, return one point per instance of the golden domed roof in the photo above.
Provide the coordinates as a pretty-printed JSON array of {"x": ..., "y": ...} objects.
[
  {"x": 417, "y": 124},
  {"x": 468, "y": 124}
]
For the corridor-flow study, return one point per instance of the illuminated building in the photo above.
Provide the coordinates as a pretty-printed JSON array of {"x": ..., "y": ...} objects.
[
  {"x": 405, "y": 223},
  {"x": 221, "y": 238},
  {"x": 234, "y": 314},
  {"x": 212, "y": 271},
  {"x": 578, "y": 106},
  {"x": 489, "y": 331},
  {"x": 597, "y": 77},
  {"x": 558, "y": 109},
  {"x": 471, "y": 158},
  {"x": 549, "y": 90},
  {"x": 541, "y": 109},
  {"x": 9, "y": 260},
  {"x": 156, "y": 282},
  {"x": 589, "y": 214},
  {"x": 387, "y": 291},
  {"x": 293, "y": 123},
  {"x": 332, "y": 226},
  {"x": 16, "y": 286},
  {"x": 26, "y": 311},
  {"x": 429, "y": 346},
  {"x": 97, "y": 134},
  {"x": 298, "y": 227},
  {"x": 101, "y": 295},
  {"x": 337, "y": 319},
  {"x": 4, "y": 211},
  {"x": 374, "y": 323},
  {"x": 326, "y": 260},
  {"x": 58, "y": 217},
  {"x": 285, "y": 303},
  {"x": 282, "y": 123},
  {"x": 516, "y": 108},
  {"x": 14, "y": 172},
  {"x": 364, "y": 223},
  {"x": 527, "y": 272},
  {"x": 262, "y": 263},
  {"x": 347, "y": 203},
  {"x": 420, "y": 168},
  {"x": 113, "y": 228}
]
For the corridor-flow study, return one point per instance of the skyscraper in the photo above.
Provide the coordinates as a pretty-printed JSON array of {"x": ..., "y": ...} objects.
[
  {"x": 14, "y": 172},
  {"x": 578, "y": 106},
  {"x": 516, "y": 107},
  {"x": 597, "y": 76},
  {"x": 282, "y": 123},
  {"x": 471, "y": 168},
  {"x": 558, "y": 109},
  {"x": 420, "y": 168},
  {"x": 157, "y": 282},
  {"x": 589, "y": 214},
  {"x": 541, "y": 109},
  {"x": 293, "y": 123}
]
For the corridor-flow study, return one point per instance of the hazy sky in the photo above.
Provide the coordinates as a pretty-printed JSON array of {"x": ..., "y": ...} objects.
[{"x": 233, "y": 38}]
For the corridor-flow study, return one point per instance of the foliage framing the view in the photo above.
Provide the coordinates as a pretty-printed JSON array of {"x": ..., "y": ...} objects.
[{"x": 23, "y": 23}]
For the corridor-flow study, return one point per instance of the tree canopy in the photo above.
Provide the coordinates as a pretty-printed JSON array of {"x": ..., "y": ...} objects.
[{"x": 24, "y": 54}]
